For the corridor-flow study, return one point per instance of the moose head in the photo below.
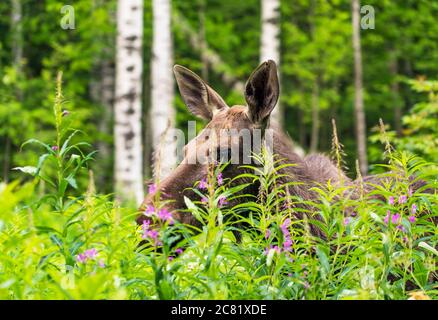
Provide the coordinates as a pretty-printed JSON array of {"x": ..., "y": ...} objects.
[{"x": 261, "y": 95}]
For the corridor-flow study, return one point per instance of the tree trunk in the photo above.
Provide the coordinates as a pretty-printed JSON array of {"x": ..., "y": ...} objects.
[
  {"x": 270, "y": 42},
  {"x": 17, "y": 55},
  {"x": 395, "y": 93},
  {"x": 162, "y": 112},
  {"x": 127, "y": 107},
  {"x": 106, "y": 101},
  {"x": 314, "y": 139},
  {"x": 358, "y": 97}
]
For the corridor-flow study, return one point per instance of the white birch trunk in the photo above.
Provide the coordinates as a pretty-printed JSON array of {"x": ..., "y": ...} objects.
[
  {"x": 358, "y": 91},
  {"x": 162, "y": 116},
  {"x": 270, "y": 41},
  {"x": 127, "y": 107}
]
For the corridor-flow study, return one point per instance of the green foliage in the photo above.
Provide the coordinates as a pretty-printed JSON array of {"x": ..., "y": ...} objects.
[
  {"x": 84, "y": 246},
  {"x": 421, "y": 124}
]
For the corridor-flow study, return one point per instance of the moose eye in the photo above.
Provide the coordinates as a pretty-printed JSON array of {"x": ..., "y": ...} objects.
[{"x": 223, "y": 155}]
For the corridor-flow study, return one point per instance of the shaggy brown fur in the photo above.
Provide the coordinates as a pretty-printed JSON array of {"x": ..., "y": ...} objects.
[{"x": 261, "y": 94}]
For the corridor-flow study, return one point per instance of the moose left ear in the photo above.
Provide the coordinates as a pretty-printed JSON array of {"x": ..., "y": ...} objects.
[{"x": 261, "y": 91}]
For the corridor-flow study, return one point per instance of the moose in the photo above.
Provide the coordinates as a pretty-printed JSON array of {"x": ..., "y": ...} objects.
[{"x": 261, "y": 94}]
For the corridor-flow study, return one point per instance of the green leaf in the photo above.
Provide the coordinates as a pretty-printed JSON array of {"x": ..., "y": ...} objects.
[{"x": 28, "y": 169}]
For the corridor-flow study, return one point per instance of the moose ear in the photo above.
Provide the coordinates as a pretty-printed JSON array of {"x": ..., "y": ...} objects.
[
  {"x": 202, "y": 100},
  {"x": 261, "y": 91}
]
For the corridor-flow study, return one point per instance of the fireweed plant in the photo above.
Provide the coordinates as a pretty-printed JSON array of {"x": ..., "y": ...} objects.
[{"x": 58, "y": 241}]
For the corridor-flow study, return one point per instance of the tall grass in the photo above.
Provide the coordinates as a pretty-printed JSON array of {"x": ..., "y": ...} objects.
[{"x": 59, "y": 243}]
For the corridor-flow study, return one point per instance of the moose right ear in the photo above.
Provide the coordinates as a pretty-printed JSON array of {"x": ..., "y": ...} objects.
[
  {"x": 261, "y": 91},
  {"x": 201, "y": 100}
]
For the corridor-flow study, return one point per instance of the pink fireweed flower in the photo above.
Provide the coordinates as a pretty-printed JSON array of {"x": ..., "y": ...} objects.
[
  {"x": 276, "y": 249},
  {"x": 82, "y": 258},
  {"x": 220, "y": 180},
  {"x": 203, "y": 184},
  {"x": 145, "y": 225},
  {"x": 222, "y": 201},
  {"x": 284, "y": 227},
  {"x": 153, "y": 234},
  {"x": 271, "y": 247},
  {"x": 401, "y": 228},
  {"x": 91, "y": 253},
  {"x": 150, "y": 210},
  {"x": 287, "y": 245},
  {"x": 395, "y": 218},
  {"x": 152, "y": 189},
  {"x": 179, "y": 251},
  {"x": 411, "y": 219},
  {"x": 267, "y": 233},
  {"x": 388, "y": 214},
  {"x": 347, "y": 221},
  {"x": 165, "y": 215},
  {"x": 402, "y": 199},
  {"x": 414, "y": 208},
  {"x": 391, "y": 200},
  {"x": 55, "y": 148}
]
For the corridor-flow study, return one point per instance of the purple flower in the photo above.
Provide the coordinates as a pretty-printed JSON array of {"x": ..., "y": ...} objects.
[
  {"x": 391, "y": 200},
  {"x": 203, "y": 184},
  {"x": 82, "y": 258},
  {"x": 145, "y": 225},
  {"x": 55, "y": 148},
  {"x": 410, "y": 192},
  {"x": 91, "y": 253},
  {"x": 204, "y": 200},
  {"x": 150, "y": 210},
  {"x": 414, "y": 208},
  {"x": 101, "y": 263},
  {"x": 284, "y": 227},
  {"x": 152, "y": 189},
  {"x": 153, "y": 234},
  {"x": 222, "y": 201},
  {"x": 179, "y": 251},
  {"x": 287, "y": 245},
  {"x": 170, "y": 258},
  {"x": 165, "y": 215},
  {"x": 289, "y": 274},
  {"x": 402, "y": 199},
  {"x": 411, "y": 219},
  {"x": 388, "y": 214},
  {"x": 347, "y": 221},
  {"x": 271, "y": 247},
  {"x": 306, "y": 285},
  {"x": 395, "y": 218},
  {"x": 65, "y": 113},
  {"x": 401, "y": 228},
  {"x": 267, "y": 233},
  {"x": 220, "y": 180}
]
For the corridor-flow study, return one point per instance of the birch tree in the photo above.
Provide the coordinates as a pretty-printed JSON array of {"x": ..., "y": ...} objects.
[
  {"x": 270, "y": 41},
  {"x": 127, "y": 107},
  {"x": 358, "y": 91},
  {"x": 162, "y": 115},
  {"x": 17, "y": 54}
]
